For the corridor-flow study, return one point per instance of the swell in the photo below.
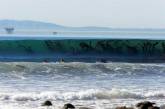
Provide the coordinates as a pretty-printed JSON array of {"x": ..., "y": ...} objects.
[
  {"x": 110, "y": 67},
  {"x": 82, "y": 50}
]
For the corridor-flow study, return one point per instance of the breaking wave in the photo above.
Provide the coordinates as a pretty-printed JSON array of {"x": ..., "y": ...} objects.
[
  {"x": 116, "y": 68},
  {"x": 90, "y": 94}
]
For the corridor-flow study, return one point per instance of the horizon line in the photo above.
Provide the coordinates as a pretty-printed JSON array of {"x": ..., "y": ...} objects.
[{"x": 89, "y": 26}]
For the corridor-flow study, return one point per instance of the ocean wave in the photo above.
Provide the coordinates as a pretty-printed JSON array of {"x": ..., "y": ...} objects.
[
  {"x": 90, "y": 94},
  {"x": 77, "y": 67}
]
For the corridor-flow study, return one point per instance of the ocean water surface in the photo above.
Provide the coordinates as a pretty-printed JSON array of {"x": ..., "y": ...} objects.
[{"x": 25, "y": 85}]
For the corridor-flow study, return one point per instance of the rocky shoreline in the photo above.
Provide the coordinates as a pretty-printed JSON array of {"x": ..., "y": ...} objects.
[{"x": 140, "y": 105}]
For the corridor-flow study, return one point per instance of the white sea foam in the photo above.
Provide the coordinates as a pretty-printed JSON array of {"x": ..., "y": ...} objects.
[
  {"x": 101, "y": 85},
  {"x": 90, "y": 94},
  {"x": 116, "y": 68}
]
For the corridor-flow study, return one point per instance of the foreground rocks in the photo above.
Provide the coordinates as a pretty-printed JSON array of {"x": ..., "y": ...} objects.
[
  {"x": 47, "y": 103},
  {"x": 146, "y": 105},
  {"x": 68, "y": 106},
  {"x": 140, "y": 105}
]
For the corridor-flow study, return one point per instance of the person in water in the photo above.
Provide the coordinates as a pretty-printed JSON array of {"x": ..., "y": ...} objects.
[{"x": 62, "y": 60}]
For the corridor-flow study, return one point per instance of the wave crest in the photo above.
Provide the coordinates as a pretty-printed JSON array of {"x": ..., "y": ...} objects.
[{"x": 90, "y": 94}]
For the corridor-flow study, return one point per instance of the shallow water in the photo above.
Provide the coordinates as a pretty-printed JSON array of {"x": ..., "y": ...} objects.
[{"x": 25, "y": 85}]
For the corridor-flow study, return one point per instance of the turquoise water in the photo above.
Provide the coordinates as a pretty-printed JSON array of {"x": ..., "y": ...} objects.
[{"x": 81, "y": 48}]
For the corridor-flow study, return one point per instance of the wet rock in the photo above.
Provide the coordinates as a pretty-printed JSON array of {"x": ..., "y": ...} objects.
[
  {"x": 68, "y": 106},
  {"x": 47, "y": 103},
  {"x": 145, "y": 105}
]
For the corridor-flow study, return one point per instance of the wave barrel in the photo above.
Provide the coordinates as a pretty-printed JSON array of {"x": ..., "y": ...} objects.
[{"x": 134, "y": 50}]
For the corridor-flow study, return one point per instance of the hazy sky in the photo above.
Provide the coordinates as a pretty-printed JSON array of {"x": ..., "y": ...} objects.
[{"x": 111, "y": 13}]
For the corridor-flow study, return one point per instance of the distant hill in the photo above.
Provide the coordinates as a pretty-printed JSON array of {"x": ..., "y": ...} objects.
[{"x": 27, "y": 24}]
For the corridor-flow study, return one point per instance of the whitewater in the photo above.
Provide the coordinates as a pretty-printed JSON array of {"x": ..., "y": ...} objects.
[{"x": 26, "y": 85}]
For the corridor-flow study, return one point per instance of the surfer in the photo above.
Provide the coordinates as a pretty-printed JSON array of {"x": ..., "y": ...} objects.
[
  {"x": 46, "y": 60},
  {"x": 61, "y": 60},
  {"x": 103, "y": 60},
  {"x": 21, "y": 66}
]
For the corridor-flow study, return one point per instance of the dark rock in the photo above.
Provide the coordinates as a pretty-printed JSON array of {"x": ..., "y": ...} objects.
[
  {"x": 47, "y": 103},
  {"x": 68, "y": 106},
  {"x": 145, "y": 105}
]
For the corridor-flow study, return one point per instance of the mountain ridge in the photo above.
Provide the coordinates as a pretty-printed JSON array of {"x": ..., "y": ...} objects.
[{"x": 30, "y": 24}]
